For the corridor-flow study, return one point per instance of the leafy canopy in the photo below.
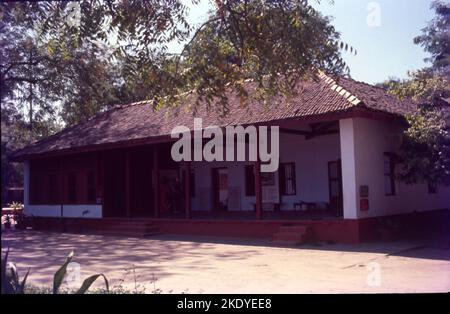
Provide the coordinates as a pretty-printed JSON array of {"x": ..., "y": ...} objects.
[
  {"x": 435, "y": 38},
  {"x": 273, "y": 43},
  {"x": 61, "y": 62},
  {"x": 425, "y": 151},
  {"x": 261, "y": 40}
]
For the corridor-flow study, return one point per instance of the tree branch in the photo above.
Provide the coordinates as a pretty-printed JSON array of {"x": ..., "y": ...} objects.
[{"x": 191, "y": 40}]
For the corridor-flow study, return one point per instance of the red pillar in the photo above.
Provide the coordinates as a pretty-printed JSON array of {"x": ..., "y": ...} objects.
[
  {"x": 258, "y": 189},
  {"x": 187, "y": 188},
  {"x": 127, "y": 184},
  {"x": 156, "y": 181}
]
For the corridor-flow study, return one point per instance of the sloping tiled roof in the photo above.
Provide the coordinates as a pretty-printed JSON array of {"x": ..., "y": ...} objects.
[{"x": 139, "y": 121}]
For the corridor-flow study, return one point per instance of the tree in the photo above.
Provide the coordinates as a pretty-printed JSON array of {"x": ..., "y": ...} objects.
[
  {"x": 14, "y": 131},
  {"x": 25, "y": 70},
  {"x": 66, "y": 61},
  {"x": 435, "y": 38},
  {"x": 284, "y": 39},
  {"x": 273, "y": 43},
  {"x": 424, "y": 85},
  {"x": 425, "y": 150}
]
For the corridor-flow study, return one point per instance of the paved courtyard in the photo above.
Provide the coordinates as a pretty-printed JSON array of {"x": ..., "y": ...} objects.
[{"x": 219, "y": 265}]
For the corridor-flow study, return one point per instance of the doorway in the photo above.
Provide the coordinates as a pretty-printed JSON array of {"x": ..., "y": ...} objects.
[
  {"x": 220, "y": 189},
  {"x": 335, "y": 186},
  {"x": 140, "y": 183},
  {"x": 114, "y": 184}
]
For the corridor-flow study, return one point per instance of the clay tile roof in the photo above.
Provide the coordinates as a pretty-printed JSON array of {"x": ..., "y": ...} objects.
[{"x": 139, "y": 120}]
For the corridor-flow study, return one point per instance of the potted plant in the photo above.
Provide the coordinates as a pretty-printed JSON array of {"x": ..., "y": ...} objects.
[
  {"x": 7, "y": 222},
  {"x": 17, "y": 213},
  {"x": 21, "y": 220}
]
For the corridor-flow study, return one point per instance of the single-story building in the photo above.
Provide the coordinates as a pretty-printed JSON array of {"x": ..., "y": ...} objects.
[{"x": 338, "y": 144}]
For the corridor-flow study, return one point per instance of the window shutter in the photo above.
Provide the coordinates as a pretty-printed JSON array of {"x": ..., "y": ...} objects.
[
  {"x": 389, "y": 173},
  {"x": 282, "y": 178},
  {"x": 293, "y": 179}
]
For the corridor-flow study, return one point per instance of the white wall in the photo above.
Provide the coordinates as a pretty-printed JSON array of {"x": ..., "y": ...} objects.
[
  {"x": 348, "y": 166},
  {"x": 370, "y": 139},
  {"x": 90, "y": 211},
  {"x": 311, "y": 159}
]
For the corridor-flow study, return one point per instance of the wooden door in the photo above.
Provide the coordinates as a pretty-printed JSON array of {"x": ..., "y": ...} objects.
[{"x": 220, "y": 188}]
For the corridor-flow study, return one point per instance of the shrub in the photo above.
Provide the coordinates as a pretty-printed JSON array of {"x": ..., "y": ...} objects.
[{"x": 11, "y": 284}]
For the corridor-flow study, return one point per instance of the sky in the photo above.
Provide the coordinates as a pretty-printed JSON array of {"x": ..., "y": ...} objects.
[{"x": 382, "y": 32}]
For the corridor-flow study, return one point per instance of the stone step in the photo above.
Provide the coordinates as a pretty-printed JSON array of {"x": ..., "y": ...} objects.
[
  {"x": 286, "y": 243},
  {"x": 139, "y": 228},
  {"x": 288, "y": 237},
  {"x": 291, "y": 235},
  {"x": 131, "y": 234},
  {"x": 131, "y": 228},
  {"x": 132, "y": 223},
  {"x": 294, "y": 228}
]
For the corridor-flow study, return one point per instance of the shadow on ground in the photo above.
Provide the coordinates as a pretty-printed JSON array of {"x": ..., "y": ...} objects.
[{"x": 219, "y": 264}]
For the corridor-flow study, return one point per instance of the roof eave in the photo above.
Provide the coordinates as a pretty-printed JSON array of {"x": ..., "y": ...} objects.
[{"x": 359, "y": 110}]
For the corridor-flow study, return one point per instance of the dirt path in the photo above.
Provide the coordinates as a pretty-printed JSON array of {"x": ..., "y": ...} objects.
[{"x": 214, "y": 265}]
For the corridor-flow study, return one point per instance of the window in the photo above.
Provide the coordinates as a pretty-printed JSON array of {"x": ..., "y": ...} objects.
[
  {"x": 389, "y": 177},
  {"x": 91, "y": 188},
  {"x": 249, "y": 180},
  {"x": 287, "y": 179},
  {"x": 72, "y": 187}
]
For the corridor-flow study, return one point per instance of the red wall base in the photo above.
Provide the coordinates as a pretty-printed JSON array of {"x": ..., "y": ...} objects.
[
  {"x": 421, "y": 224},
  {"x": 427, "y": 224},
  {"x": 345, "y": 231}
]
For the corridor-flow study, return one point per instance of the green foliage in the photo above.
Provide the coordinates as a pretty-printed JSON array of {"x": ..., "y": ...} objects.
[
  {"x": 91, "y": 54},
  {"x": 14, "y": 135},
  {"x": 425, "y": 151},
  {"x": 425, "y": 147},
  {"x": 274, "y": 44},
  {"x": 89, "y": 281},
  {"x": 27, "y": 84},
  {"x": 31, "y": 289},
  {"x": 61, "y": 273},
  {"x": 62, "y": 62},
  {"x": 10, "y": 278},
  {"x": 424, "y": 86},
  {"x": 12, "y": 285},
  {"x": 435, "y": 38},
  {"x": 58, "y": 277}
]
